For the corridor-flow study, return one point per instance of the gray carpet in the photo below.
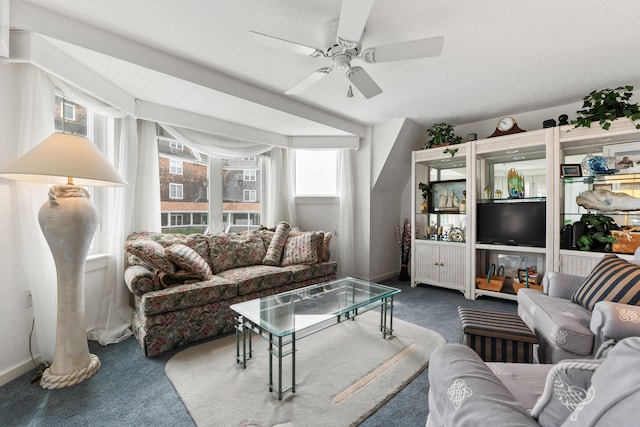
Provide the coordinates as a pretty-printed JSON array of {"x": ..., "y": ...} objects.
[{"x": 132, "y": 390}]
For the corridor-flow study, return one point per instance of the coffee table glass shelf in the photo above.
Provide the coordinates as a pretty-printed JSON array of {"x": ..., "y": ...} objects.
[{"x": 287, "y": 317}]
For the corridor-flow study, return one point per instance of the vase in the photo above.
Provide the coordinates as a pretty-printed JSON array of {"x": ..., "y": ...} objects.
[
  {"x": 404, "y": 272},
  {"x": 462, "y": 207},
  {"x": 512, "y": 183},
  {"x": 424, "y": 207}
]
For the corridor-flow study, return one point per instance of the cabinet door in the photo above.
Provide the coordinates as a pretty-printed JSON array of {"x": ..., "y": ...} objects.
[
  {"x": 578, "y": 265},
  {"x": 427, "y": 263},
  {"x": 452, "y": 265}
]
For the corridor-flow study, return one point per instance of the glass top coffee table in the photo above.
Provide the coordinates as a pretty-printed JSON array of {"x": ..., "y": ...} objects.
[{"x": 284, "y": 318}]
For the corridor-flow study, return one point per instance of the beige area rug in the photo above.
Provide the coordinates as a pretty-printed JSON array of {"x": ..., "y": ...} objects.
[{"x": 343, "y": 374}]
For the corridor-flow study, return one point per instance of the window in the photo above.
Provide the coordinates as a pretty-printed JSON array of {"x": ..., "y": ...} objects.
[
  {"x": 193, "y": 185},
  {"x": 316, "y": 172},
  {"x": 176, "y": 220},
  {"x": 175, "y": 191},
  {"x": 69, "y": 111},
  {"x": 175, "y": 167}
]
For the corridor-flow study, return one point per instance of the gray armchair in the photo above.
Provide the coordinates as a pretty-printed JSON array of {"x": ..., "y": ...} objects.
[
  {"x": 568, "y": 330},
  {"x": 465, "y": 391}
]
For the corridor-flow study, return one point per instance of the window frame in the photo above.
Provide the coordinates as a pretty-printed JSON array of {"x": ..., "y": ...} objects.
[
  {"x": 246, "y": 199},
  {"x": 177, "y": 168},
  {"x": 176, "y": 186}
]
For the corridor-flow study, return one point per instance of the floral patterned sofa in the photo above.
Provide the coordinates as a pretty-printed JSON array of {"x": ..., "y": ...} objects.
[{"x": 183, "y": 285}]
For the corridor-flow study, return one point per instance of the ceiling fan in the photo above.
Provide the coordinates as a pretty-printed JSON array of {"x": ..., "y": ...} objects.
[{"x": 344, "y": 37}]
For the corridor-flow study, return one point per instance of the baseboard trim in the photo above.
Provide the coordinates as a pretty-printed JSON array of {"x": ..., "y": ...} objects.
[{"x": 17, "y": 371}]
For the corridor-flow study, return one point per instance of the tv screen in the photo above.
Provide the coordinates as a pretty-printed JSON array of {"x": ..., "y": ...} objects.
[{"x": 512, "y": 223}]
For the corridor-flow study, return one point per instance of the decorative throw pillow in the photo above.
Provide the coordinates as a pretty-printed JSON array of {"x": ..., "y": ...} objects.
[
  {"x": 233, "y": 250},
  {"x": 565, "y": 388},
  {"x": 325, "y": 253},
  {"x": 274, "y": 251},
  {"x": 188, "y": 259},
  {"x": 612, "y": 279},
  {"x": 302, "y": 248},
  {"x": 152, "y": 253}
]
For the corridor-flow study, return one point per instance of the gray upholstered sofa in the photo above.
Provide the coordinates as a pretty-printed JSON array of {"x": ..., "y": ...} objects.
[
  {"x": 183, "y": 285},
  {"x": 465, "y": 391},
  {"x": 574, "y": 315}
]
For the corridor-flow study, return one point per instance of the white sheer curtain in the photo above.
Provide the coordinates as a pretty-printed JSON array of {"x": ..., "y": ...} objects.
[
  {"x": 132, "y": 149},
  {"x": 215, "y": 145},
  {"x": 279, "y": 203},
  {"x": 346, "y": 264},
  {"x": 38, "y": 269}
]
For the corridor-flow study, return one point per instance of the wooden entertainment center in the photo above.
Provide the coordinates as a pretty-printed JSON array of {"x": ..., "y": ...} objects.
[{"x": 445, "y": 248}]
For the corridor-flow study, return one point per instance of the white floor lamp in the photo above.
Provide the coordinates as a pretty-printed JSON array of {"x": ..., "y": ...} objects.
[{"x": 68, "y": 221}]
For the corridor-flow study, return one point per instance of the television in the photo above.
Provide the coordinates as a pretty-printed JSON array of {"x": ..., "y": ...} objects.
[{"x": 518, "y": 223}]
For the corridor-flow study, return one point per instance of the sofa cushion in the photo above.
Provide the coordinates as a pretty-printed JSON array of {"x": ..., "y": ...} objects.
[
  {"x": 612, "y": 399},
  {"x": 199, "y": 243},
  {"x": 302, "y": 248},
  {"x": 303, "y": 272},
  {"x": 558, "y": 320},
  {"x": 565, "y": 388},
  {"x": 151, "y": 252},
  {"x": 187, "y": 295},
  {"x": 612, "y": 279},
  {"x": 255, "y": 278},
  {"x": 276, "y": 246},
  {"x": 524, "y": 380},
  {"x": 325, "y": 253},
  {"x": 165, "y": 239},
  {"x": 234, "y": 250},
  {"x": 188, "y": 259}
]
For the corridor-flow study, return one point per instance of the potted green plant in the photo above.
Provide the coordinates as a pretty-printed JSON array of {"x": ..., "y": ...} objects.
[
  {"x": 441, "y": 134},
  {"x": 606, "y": 105},
  {"x": 426, "y": 194},
  {"x": 597, "y": 234}
]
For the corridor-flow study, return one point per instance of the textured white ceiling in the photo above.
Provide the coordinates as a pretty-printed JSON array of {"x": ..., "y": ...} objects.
[{"x": 499, "y": 56}]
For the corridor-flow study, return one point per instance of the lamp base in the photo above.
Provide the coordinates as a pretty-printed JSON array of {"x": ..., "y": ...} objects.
[
  {"x": 52, "y": 381},
  {"x": 68, "y": 221}
]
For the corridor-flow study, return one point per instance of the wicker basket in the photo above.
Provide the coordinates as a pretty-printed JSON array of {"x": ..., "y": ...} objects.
[
  {"x": 517, "y": 286},
  {"x": 494, "y": 283}
]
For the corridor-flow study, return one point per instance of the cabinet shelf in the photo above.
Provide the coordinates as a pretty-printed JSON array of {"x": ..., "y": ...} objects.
[
  {"x": 511, "y": 248},
  {"x": 519, "y": 200}
]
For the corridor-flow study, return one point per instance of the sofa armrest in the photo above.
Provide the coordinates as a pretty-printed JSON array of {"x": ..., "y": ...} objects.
[
  {"x": 465, "y": 392},
  {"x": 561, "y": 285},
  {"x": 141, "y": 280},
  {"x": 612, "y": 320}
]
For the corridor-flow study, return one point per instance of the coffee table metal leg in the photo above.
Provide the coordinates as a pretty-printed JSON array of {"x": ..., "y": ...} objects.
[
  {"x": 293, "y": 362},
  {"x": 386, "y": 315},
  {"x": 279, "y": 368},
  {"x": 270, "y": 362}
]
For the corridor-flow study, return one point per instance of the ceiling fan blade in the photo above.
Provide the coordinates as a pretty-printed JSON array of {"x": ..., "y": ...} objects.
[
  {"x": 353, "y": 17},
  {"x": 308, "y": 81},
  {"x": 363, "y": 82},
  {"x": 277, "y": 43},
  {"x": 422, "y": 48}
]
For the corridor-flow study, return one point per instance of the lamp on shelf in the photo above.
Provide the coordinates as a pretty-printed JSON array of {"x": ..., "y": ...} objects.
[{"x": 68, "y": 221}]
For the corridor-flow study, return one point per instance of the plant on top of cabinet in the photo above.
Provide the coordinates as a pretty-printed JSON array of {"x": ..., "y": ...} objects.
[
  {"x": 441, "y": 134},
  {"x": 606, "y": 105}
]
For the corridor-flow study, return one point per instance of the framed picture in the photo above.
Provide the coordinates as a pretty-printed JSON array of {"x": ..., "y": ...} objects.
[
  {"x": 627, "y": 157},
  {"x": 446, "y": 195},
  {"x": 570, "y": 170}
]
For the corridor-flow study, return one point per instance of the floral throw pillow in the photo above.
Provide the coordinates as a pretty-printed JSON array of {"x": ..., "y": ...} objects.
[
  {"x": 325, "y": 253},
  {"x": 152, "y": 253},
  {"x": 188, "y": 259},
  {"x": 302, "y": 248},
  {"x": 274, "y": 251}
]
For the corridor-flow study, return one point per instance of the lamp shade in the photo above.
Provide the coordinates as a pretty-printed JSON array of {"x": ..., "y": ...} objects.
[{"x": 60, "y": 157}]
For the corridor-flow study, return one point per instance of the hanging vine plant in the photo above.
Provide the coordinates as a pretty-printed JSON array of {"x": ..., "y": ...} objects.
[{"x": 606, "y": 105}]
